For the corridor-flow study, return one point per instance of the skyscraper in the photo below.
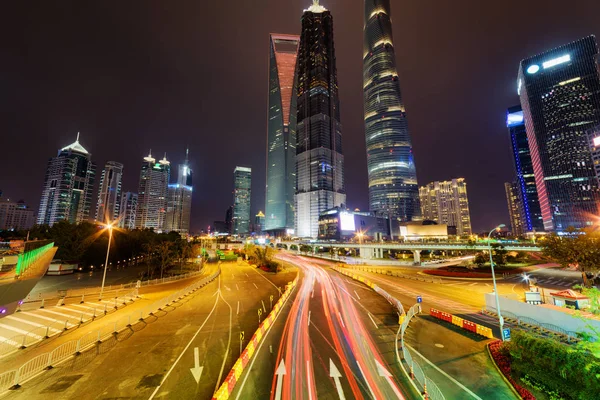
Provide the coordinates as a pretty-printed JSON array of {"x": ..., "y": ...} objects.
[
  {"x": 560, "y": 96},
  {"x": 319, "y": 159},
  {"x": 525, "y": 178},
  {"x": 391, "y": 169},
  {"x": 242, "y": 183},
  {"x": 179, "y": 203},
  {"x": 593, "y": 135},
  {"x": 68, "y": 185},
  {"x": 127, "y": 210},
  {"x": 109, "y": 192},
  {"x": 447, "y": 203},
  {"x": 152, "y": 193},
  {"x": 281, "y": 134},
  {"x": 515, "y": 207}
]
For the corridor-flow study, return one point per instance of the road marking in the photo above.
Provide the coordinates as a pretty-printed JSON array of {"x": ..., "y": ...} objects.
[
  {"x": 460, "y": 385},
  {"x": 473, "y": 284},
  {"x": 366, "y": 380},
  {"x": 197, "y": 370},
  {"x": 372, "y": 320},
  {"x": 185, "y": 349},
  {"x": 35, "y": 315},
  {"x": 280, "y": 373},
  {"x": 247, "y": 276},
  {"x": 228, "y": 341},
  {"x": 356, "y": 294},
  {"x": 336, "y": 375},
  {"x": 264, "y": 308},
  {"x": 24, "y": 321},
  {"x": 11, "y": 342},
  {"x": 238, "y": 308},
  {"x": 237, "y": 287},
  {"x": 308, "y": 317},
  {"x": 384, "y": 373},
  {"x": 441, "y": 346},
  {"x": 341, "y": 320},
  {"x": 262, "y": 276},
  {"x": 255, "y": 285},
  {"x": 21, "y": 331},
  {"x": 75, "y": 310},
  {"x": 308, "y": 380},
  {"x": 57, "y": 313}
]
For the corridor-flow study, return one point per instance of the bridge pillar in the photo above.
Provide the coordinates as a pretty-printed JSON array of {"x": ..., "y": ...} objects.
[
  {"x": 417, "y": 257},
  {"x": 366, "y": 253}
]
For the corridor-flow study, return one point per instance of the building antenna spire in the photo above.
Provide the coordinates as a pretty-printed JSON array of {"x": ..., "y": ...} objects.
[
  {"x": 77, "y": 140},
  {"x": 187, "y": 151}
]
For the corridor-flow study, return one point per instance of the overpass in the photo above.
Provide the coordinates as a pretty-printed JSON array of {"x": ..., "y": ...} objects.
[{"x": 375, "y": 250}]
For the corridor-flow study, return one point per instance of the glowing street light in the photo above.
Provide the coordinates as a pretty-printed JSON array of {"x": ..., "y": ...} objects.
[
  {"x": 500, "y": 319},
  {"x": 110, "y": 228},
  {"x": 360, "y": 235}
]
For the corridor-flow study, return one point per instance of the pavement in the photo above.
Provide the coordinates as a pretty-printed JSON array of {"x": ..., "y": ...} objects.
[{"x": 185, "y": 351}]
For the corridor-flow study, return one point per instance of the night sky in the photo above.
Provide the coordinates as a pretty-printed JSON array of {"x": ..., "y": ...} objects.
[{"x": 135, "y": 75}]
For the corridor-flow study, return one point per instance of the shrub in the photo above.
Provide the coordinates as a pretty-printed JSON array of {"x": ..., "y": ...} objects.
[{"x": 503, "y": 361}]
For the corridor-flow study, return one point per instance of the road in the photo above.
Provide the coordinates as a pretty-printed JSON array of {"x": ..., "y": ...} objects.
[
  {"x": 157, "y": 358},
  {"x": 337, "y": 342}
]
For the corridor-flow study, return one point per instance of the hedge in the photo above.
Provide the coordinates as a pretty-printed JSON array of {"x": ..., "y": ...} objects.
[{"x": 575, "y": 374}]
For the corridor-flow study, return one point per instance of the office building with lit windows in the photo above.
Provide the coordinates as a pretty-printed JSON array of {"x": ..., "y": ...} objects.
[
  {"x": 15, "y": 215},
  {"x": 515, "y": 207},
  {"x": 179, "y": 201},
  {"x": 391, "y": 168},
  {"x": 525, "y": 178},
  {"x": 593, "y": 136},
  {"x": 560, "y": 96},
  {"x": 319, "y": 157},
  {"x": 281, "y": 135},
  {"x": 109, "y": 192},
  {"x": 447, "y": 203},
  {"x": 152, "y": 194},
  {"x": 127, "y": 210},
  {"x": 68, "y": 185},
  {"x": 242, "y": 185}
]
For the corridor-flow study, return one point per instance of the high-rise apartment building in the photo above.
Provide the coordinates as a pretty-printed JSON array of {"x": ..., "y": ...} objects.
[
  {"x": 319, "y": 159},
  {"x": 109, "y": 192},
  {"x": 515, "y": 207},
  {"x": 281, "y": 134},
  {"x": 593, "y": 136},
  {"x": 127, "y": 210},
  {"x": 152, "y": 194},
  {"x": 179, "y": 202},
  {"x": 242, "y": 184},
  {"x": 68, "y": 185},
  {"x": 447, "y": 203},
  {"x": 391, "y": 168},
  {"x": 229, "y": 219},
  {"x": 560, "y": 96},
  {"x": 525, "y": 178},
  {"x": 15, "y": 215}
]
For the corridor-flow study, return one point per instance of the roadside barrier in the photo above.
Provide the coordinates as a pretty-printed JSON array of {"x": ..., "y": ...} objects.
[
  {"x": 463, "y": 323},
  {"x": 232, "y": 378},
  {"x": 390, "y": 272},
  {"x": 38, "y": 364}
]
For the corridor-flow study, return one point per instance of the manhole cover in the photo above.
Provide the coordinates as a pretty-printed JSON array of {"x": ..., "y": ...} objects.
[{"x": 441, "y": 346}]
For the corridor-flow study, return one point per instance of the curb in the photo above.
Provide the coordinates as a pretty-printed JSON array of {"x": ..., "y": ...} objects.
[{"x": 510, "y": 385}]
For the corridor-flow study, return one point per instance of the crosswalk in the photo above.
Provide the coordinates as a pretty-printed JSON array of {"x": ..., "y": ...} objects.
[
  {"x": 34, "y": 325},
  {"x": 543, "y": 281}
]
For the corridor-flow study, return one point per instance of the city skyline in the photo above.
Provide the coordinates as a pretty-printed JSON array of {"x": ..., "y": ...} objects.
[{"x": 477, "y": 132}]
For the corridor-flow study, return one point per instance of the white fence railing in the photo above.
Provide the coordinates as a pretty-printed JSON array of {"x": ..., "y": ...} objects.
[{"x": 42, "y": 362}]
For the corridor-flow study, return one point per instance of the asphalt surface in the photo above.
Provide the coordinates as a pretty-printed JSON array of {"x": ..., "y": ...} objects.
[
  {"x": 155, "y": 358},
  {"x": 338, "y": 341}
]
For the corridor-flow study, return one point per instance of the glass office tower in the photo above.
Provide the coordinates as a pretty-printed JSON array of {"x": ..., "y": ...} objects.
[
  {"x": 127, "y": 210},
  {"x": 319, "y": 159},
  {"x": 179, "y": 201},
  {"x": 560, "y": 96},
  {"x": 109, "y": 192},
  {"x": 392, "y": 175},
  {"x": 242, "y": 190},
  {"x": 68, "y": 185},
  {"x": 525, "y": 178},
  {"x": 152, "y": 194},
  {"x": 281, "y": 134}
]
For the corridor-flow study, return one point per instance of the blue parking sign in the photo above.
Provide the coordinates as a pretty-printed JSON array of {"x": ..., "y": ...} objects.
[
  {"x": 419, "y": 299},
  {"x": 506, "y": 333}
]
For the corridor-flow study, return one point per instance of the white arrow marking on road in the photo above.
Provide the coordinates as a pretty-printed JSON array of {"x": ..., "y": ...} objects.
[
  {"x": 336, "y": 375},
  {"x": 280, "y": 373},
  {"x": 384, "y": 373},
  {"x": 197, "y": 370}
]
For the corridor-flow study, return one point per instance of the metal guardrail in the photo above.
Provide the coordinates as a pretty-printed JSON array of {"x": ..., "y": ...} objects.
[{"x": 14, "y": 378}]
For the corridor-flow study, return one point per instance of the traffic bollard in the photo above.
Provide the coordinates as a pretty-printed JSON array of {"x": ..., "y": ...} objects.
[
  {"x": 82, "y": 299},
  {"x": 42, "y": 306}
]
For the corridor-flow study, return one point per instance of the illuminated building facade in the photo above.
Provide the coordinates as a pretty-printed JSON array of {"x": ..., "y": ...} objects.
[
  {"x": 15, "y": 215},
  {"x": 281, "y": 134},
  {"x": 525, "y": 178},
  {"x": 127, "y": 210},
  {"x": 242, "y": 177},
  {"x": 319, "y": 159},
  {"x": 68, "y": 185},
  {"x": 152, "y": 194},
  {"x": 447, "y": 203},
  {"x": 515, "y": 207},
  {"x": 593, "y": 136},
  {"x": 391, "y": 169},
  {"x": 109, "y": 192},
  {"x": 560, "y": 96},
  {"x": 179, "y": 201}
]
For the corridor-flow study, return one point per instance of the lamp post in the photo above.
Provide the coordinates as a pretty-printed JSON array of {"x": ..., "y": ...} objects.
[
  {"x": 109, "y": 227},
  {"x": 500, "y": 319}
]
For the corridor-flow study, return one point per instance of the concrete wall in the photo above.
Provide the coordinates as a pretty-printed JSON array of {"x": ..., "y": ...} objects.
[{"x": 541, "y": 314}]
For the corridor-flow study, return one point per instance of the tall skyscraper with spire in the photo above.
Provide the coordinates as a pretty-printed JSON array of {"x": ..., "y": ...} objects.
[
  {"x": 392, "y": 174},
  {"x": 319, "y": 158},
  {"x": 179, "y": 202},
  {"x": 152, "y": 193},
  {"x": 281, "y": 134},
  {"x": 68, "y": 185},
  {"x": 109, "y": 192}
]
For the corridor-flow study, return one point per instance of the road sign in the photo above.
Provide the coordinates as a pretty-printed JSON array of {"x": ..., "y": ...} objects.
[
  {"x": 419, "y": 299},
  {"x": 506, "y": 333}
]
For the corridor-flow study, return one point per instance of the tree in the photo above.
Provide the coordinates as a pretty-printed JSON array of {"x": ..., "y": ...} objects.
[
  {"x": 579, "y": 248},
  {"x": 480, "y": 260},
  {"x": 499, "y": 254},
  {"x": 165, "y": 255}
]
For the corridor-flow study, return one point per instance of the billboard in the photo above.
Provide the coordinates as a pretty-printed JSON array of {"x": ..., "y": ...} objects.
[{"x": 347, "y": 221}]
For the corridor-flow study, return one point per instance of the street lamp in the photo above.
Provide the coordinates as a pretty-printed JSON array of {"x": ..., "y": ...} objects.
[
  {"x": 500, "y": 319},
  {"x": 109, "y": 227},
  {"x": 360, "y": 235}
]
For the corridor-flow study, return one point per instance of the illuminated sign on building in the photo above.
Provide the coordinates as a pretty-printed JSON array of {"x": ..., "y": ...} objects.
[
  {"x": 515, "y": 118},
  {"x": 532, "y": 69},
  {"x": 597, "y": 141},
  {"x": 556, "y": 61},
  {"x": 519, "y": 84},
  {"x": 347, "y": 221}
]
